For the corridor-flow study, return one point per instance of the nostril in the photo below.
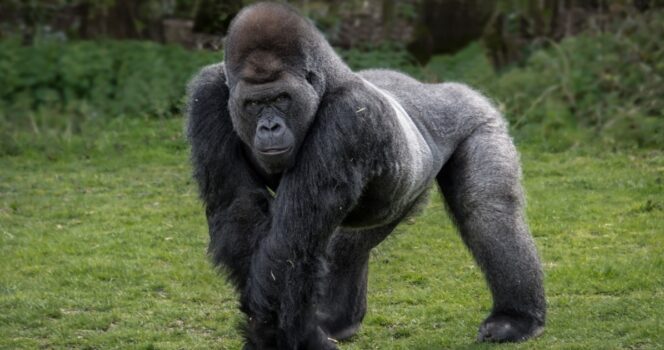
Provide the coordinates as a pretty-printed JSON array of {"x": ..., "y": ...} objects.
[{"x": 269, "y": 128}]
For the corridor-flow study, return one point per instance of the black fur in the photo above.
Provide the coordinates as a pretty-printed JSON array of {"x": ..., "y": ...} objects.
[{"x": 351, "y": 167}]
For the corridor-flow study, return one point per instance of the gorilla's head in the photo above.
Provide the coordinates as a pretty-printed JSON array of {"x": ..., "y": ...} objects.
[{"x": 275, "y": 83}]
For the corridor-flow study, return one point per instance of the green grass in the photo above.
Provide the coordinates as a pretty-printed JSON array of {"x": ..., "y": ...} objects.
[{"x": 102, "y": 245}]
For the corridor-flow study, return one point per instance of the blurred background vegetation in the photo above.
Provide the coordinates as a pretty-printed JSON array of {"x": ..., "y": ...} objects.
[
  {"x": 564, "y": 72},
  {"x": 102, "y": 238}
]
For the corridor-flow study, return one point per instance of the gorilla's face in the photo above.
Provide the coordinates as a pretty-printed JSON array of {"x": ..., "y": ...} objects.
[{"x": 272, "y": 108}]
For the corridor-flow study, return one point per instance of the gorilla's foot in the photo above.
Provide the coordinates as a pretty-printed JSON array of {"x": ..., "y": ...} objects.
[
  {"x": 499, "y": 328},
  {"x": 343, "y": 333},
  {"x": 339, "y": 328},
  {"x": 319, "y": 340}
]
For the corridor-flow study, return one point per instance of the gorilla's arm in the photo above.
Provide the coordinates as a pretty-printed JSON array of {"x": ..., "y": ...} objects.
[
  {"x": 313, "y": 199},
  {"x": 236, "y": 201}
]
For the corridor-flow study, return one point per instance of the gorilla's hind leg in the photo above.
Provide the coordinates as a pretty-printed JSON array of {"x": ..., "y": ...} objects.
[
  {"x": 481, "y": 185},
  {"x": 343, "y": 299}
]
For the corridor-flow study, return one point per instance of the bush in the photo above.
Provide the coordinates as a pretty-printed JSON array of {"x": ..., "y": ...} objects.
[
  {"x": 607, "y": 85},
  {"x": 387, "y": 56},
  {"x": 52, "y": 90},
  {"x": 94, "y": 79}
]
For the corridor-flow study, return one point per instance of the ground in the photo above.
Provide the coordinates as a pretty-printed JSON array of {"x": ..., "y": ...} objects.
[{"x": 102, "y": 245}]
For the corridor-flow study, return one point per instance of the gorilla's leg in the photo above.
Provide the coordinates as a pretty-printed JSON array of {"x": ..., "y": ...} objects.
[
  {"x": 343, "y": 299},
  {"x": 481, "y": 184}
]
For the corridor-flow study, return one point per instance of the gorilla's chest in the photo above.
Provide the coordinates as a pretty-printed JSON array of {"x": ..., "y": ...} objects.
[{"x": 403, "y": 179}]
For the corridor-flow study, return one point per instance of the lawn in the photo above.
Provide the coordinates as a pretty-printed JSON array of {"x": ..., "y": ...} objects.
[{"x": 103, "y": 240}]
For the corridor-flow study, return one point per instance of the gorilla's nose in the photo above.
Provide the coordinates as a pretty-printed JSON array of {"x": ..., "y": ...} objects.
[{"x": 270, "y": 128}]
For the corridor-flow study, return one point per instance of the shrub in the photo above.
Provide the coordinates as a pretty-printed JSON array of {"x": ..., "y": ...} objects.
[
  {"x": 94, "y": 79},
  {"x": 53, "y": 90},
  {"x": 608, "y": 85},
  {"x": 387, "y": 55}
]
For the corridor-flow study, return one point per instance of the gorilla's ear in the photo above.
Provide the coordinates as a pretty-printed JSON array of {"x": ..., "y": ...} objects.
[
  {"x": 225, "y": 74},
  {"x": 311, "y": 76},
  {"x": 316, "y": 80}
]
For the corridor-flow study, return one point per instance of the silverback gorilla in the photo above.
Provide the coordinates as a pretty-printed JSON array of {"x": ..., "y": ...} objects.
[{"x": 304, "y": 166}]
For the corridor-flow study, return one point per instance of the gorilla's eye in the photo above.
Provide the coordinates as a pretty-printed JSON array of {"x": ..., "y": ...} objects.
[
  {"x": 282, "y": 102},
  {"x": 253, "y": 107}
]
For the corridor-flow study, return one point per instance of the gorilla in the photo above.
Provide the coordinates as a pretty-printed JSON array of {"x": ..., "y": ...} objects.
[{"x": 304, "y": 166}]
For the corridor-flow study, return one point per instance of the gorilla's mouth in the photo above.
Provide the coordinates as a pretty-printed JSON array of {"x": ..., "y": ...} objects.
[
  {"x": 274, "y": 160},
  {"x": 274, "y": 151}
]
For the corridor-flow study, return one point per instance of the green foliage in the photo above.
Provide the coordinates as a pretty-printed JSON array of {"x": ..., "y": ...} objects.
[
  {"x": 53, "y": 90},
  {"x": 470, "y": 66},
  {"x": 387, "y": 55},
  {"x": 215, "y": 16},
  {"x": 93, "y": 80},
  {"x": 604, "y": 85}
]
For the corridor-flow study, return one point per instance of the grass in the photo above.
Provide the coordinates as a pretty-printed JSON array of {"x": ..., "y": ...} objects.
[{"x": 102, "y": 246}]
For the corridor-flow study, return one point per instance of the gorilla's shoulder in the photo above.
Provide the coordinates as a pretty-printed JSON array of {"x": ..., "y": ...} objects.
[
  {"x": 206, "y": 89},
  {"x": 207, "y": 97},
  {"x": 208, "y": 75}
]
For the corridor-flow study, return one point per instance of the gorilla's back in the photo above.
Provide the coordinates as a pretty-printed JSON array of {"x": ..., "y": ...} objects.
[{"x": 444, "y": 113}]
